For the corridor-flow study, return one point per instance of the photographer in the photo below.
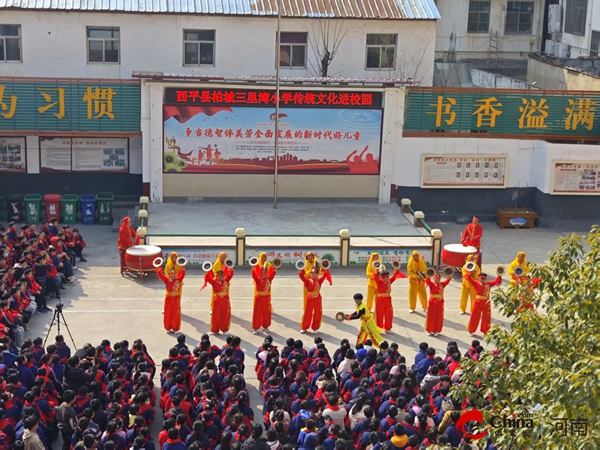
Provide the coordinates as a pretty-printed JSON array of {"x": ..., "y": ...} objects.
[{"x": 75, "y": 376}]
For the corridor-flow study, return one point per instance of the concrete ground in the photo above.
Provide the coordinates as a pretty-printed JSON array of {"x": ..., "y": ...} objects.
[
  {"x": 103, "y": 304},
  {"x": 314, "y": 219}
]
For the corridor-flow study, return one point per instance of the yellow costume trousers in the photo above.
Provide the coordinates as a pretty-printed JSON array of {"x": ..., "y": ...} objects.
[
  {"x": 413, "y": 291},
  {"x": 304, "y": 295},
  {"x": 368, "y": 330},
  {"x": 465, "y": 293},
  {"x": 371, "y": 294}
]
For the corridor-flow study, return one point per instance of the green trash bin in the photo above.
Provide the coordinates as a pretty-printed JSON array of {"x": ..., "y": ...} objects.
[
  {"x": 33, "y": 204},
  {"x": 68, "y": 208},
  {"x": 105, "y": 208}
]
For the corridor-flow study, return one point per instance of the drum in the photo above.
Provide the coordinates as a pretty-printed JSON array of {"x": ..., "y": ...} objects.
[
  {"x": 455, "y": 254},
  {"x": 139, "y": 258}
]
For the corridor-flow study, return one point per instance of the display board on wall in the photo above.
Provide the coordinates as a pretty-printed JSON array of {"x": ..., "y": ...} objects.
[
  {"x": 13, "y": 155},
  {"x": 84, "y": 155},
  {"x": 290, "y": 257},
  {"x": 233, "y": 131},
  {"x": 464, "y": 171},
  {"x": 575, "y": 178},
  {"x": 361, "y": 256},
  {"x": 198, "y": 256}
]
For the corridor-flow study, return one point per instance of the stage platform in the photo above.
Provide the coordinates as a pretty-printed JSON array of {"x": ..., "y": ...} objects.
[{"x": 199, "y": 231}]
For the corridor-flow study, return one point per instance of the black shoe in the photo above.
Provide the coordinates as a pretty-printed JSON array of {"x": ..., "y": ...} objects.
[
  {"x": 82, "y": 259},
  {"x": 62, "y": 287}
]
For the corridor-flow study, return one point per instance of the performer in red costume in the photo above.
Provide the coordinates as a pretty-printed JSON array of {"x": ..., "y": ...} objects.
[
  {"x": 221, "y": 308},
  {"x": 261, "y": 315},
  {"x": 471, "y": 237},
  {"x": 313, "y": 312},
  {"x": 384, "y": 309},
  {"x": 127, "y": 238},
  {"x": 434, "y": 322},
  {"x": 172, "y": 317},
  {"x": 483, "y": 307},
  {"x": 529, "y": 286}
]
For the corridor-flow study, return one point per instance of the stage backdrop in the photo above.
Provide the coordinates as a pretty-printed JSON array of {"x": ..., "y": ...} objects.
[{"x": 240, "y": 139}]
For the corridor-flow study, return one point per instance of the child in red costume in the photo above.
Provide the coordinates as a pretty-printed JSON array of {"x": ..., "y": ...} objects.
[
  {"x": 313, "y": 312},
  {"x": 483, "y": 307},
  {"x": 434, "y": 322},
  {"x": 384, "y": 309},
  {"x": 261, "y": 315},
  {"x": 221, "y": 308},
  {"x": 172, "y": 316}
]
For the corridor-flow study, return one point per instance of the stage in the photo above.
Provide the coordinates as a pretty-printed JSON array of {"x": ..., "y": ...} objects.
[{"x": 199, "y": 231}]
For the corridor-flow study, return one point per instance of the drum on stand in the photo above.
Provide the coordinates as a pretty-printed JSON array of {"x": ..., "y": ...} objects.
[
  {"x": 139, "y": 258},
  {"x": 454, "y": 255}
]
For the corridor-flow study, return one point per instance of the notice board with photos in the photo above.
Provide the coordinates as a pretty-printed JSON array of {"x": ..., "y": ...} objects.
[
  {"x": 12, "y": 155},
  {"x": 464, "y": 171},
  {"x": 575, "y": 178},
  {"x": 84, "y": 155}
]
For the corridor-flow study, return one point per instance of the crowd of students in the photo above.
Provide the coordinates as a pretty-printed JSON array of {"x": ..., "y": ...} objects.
[
  {"x": 34, "y": 265},
  {"x": 356, "y": 398}
]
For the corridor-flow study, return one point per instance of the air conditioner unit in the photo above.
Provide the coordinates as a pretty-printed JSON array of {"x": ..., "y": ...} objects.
[
  {"x": 554, "y": 19},
  {"x": 560, "y": 50},
  {"x": 549, "y": 48}
]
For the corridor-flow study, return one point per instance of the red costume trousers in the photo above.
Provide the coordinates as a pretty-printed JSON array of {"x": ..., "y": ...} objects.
[
  {"x": 261, "y": 315},
  {"x": 172, "y": 317},
  {"x": 384, "y": 312},
  {"x": 434, "y": 321},
  {"x": 221, "y": 316},
  {"x": 483, "y": 311},
  {"x": 313, "y": 313}
]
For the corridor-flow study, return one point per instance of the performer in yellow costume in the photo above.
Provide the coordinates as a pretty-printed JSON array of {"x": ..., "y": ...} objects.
[
  {"x": 416, "y": 268},
  {"x": 262, "y": 260},
  {"x": 467, "y": 290},
  {"x": 520, "y": 261},
  {"x": 368, "y": 327},
  {"x": 371, "y": 283},
  {"x": 172, "y": 264}
]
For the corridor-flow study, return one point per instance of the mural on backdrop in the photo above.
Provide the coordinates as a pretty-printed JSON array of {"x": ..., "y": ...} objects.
[
  {"x": 291, "y": 256},
  {"x": 232, "y": 139},
  {"x": 361, "y": 255},
  {"x": 197, "y": 256}
]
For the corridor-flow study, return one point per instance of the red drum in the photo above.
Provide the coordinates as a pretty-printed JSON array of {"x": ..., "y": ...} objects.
[
  {"x": 139, "y": 258},
  {"x": 454, "y": 255}
]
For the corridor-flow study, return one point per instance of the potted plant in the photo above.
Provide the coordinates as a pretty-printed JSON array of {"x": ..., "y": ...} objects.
[{"x": 515, "y": 216}]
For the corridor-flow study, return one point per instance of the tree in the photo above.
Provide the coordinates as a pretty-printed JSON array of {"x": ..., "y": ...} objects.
[
  {"x": 325, "y": 40},
  {"x": 547, "y": 363}
]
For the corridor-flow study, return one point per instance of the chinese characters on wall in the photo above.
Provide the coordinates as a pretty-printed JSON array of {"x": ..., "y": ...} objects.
[
  {"x": 431, "y": 110},
  {"x": 69, "y": 106},
  {"x": 576, "y": 177}
]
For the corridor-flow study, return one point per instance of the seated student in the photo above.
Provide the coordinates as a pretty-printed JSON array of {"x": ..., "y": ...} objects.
[
  {"x": 62, "y": 264},
  {"x": 53, "y": 228},
  {"x": 77, "y": 244},
  {"x": 54, "y": 277},
  {"x": 31, "y": 439}
]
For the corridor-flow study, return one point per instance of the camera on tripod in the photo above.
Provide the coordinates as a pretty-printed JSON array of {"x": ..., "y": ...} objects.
[{"x": 59, "y": 307}]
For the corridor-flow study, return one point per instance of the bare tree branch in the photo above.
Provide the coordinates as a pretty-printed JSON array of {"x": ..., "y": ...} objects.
[{"x": 325, "y": 43}]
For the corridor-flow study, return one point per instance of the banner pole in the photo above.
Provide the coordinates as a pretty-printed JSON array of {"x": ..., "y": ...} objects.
[{"x": 277, "y": 76}]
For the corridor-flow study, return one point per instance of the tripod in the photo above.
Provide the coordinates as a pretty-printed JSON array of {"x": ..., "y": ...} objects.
[{"x": 58, "y": 314}]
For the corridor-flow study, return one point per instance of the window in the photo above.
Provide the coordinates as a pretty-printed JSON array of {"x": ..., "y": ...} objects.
[
  {"x": 10, "y": 43},
  {"x": 479, "y": 17},
  {"x": 381, "y": 51},
  {"x": 199, "y": 47},
  {"x": 519, "y": 18},
  {"x": 595, "y": 44},
  {"x": 103, "y": 45},
  {"x": 575, "y": 17},
  {"x": 292, "y": 51}
]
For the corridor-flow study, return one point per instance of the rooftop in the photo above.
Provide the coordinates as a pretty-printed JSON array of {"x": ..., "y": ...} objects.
[{"x": 333, "y": 9}]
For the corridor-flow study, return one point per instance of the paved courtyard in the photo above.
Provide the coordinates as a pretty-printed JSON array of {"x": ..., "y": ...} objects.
[{"x": 103, "y": 304}]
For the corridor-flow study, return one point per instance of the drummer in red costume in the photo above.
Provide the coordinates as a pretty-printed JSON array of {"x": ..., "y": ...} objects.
[
  {"x": 172, "y": 313},
  {"x": 384, "y": 309},
  {"x": 434, "y": 322},
  {"x": 483, "y": 307},
  {"x": 313, "y": 311},
  {"x": 471, "y": 237},
  {"x": 127, "y": 238},
  {"x": 221, "y": 308}
]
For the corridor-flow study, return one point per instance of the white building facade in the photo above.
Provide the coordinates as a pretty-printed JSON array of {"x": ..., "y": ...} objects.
[
  {"x": 477, "y": 29},
  {"x": 574, "y": 28}
]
